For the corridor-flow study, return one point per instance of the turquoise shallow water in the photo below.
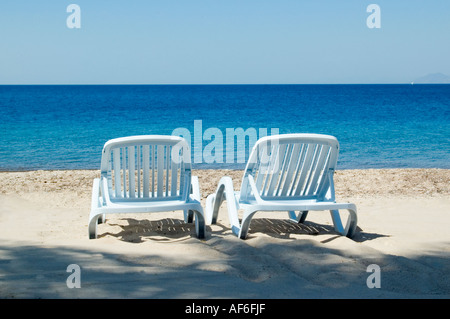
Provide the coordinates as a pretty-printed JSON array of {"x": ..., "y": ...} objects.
[{"x": 378, "y": 126}]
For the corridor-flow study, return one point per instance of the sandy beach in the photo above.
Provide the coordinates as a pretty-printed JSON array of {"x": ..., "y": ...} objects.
[{"x": 403, "y": 227}]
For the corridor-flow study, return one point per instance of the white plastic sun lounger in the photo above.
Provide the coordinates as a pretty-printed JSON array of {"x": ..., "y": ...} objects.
[
  {"x": 291, "y": 172},
  {"x": 146, "y": 174}
]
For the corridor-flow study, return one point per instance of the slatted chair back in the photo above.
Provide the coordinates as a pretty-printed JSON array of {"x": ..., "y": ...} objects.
[
  {"x": 292, "y": 167},
  {"x": 149, "y": 167}
]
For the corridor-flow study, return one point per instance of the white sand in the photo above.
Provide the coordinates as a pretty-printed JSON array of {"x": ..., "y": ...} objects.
[{"x": 404, "y": 219}]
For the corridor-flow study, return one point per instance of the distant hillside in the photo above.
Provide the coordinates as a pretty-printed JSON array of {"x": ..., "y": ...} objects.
[{"x": 433, "y": 78}]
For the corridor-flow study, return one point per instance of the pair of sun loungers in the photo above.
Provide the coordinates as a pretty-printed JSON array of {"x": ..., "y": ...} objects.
[{"x": 152, "y": 173}]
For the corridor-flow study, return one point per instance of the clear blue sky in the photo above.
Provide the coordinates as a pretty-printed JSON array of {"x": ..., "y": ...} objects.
[{"x": 222, "y": 42}]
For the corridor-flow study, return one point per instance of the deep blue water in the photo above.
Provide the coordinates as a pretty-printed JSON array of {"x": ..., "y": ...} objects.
[{"x": 378, "y": 126}]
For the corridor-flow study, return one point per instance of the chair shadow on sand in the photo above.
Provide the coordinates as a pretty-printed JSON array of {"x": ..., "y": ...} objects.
[
  {"x": 163, "y": 230},
  {"x": 172, "y": 229},
  {"x": 284, "y": 229}
]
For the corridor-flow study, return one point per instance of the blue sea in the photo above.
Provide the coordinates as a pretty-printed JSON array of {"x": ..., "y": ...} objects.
[{"x": 378, "y": 126}]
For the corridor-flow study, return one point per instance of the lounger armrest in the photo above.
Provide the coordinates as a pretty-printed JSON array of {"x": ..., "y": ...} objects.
[
  {"x": 329, "y": 195},
  {"x": 95, "y": 204},
  {"x": 187, "y": 188},
  {"x": 104, "y": 190},
  {"x": 255, "y": 191},
  {"x": 195, "y": 188}
]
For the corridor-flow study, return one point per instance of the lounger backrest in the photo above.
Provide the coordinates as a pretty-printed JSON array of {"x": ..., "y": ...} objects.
[
  {"x": 149, "y": 167},
  {"x": 292, "y": 166}
]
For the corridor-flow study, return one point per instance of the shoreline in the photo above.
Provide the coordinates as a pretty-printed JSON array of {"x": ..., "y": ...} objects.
[{"x": 348, "y": 182}]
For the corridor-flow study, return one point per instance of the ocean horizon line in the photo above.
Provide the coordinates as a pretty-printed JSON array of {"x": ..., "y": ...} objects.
[{"x": 219, "y": 84}]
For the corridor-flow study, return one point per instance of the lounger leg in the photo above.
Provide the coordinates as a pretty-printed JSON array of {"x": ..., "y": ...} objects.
[
  {"x": 350, "y": 227},
  {"x": 210, "y": 212},
  {"x": 245, "y": 224},
  {"x": 195, "y": 193},
  {"x": 300, "y": 218},
  {"x": 92, "y": 227},
  {"x": 351, "y": 223},
  {"x": 303, "y": 216},
  {"x": 213, "y": 203},
  {"x": 102, "y": 219},
  {"x": 224, "y": 191},
  {"x": 337, "y": 221},
  {"x": 199, "y": 224},
  {"x": 95, "y": 216},
  {"x": 188, "y": 216}
]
